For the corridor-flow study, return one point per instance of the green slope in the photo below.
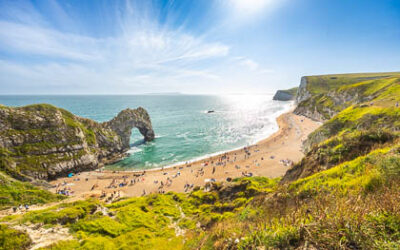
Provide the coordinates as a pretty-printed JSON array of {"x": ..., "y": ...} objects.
[
  {"x": 324, "y": 83},
  {"x": 344, "y": 194},
  {"x": 15, "y": 193}
]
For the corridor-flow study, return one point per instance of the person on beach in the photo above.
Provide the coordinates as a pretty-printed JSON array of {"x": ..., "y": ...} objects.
[{"x": 94, "y": 186}]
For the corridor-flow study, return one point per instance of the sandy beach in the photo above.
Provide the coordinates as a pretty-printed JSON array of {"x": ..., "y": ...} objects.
[{"x": 270, "y": 157}]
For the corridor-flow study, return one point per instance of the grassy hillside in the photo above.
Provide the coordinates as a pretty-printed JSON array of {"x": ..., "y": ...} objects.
[
  {"x": 286, "y": 95},
  {"x": 353, "y": 205},
  {"x": 291, "y": 91},
  {"x": 344, "y": 194},
  {"x": 324, "y": 83},
  {"x": 331, "y": 94},
  {"x": 37, "y": 140},
  {"x": 15, "y": 193}
]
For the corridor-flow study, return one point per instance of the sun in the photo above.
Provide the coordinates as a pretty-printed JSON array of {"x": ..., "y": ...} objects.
[{"x": 250, "y": 7}]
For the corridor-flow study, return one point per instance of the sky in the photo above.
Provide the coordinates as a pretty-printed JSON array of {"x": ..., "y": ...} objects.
[{"x": 190, "y": 46}]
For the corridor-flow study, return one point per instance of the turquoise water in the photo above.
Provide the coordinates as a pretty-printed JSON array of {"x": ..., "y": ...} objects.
[{"x": 184, "y": 130}]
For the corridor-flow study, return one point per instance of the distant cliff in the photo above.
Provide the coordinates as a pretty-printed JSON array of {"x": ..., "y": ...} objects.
[
  {"x": 322, "y": 97},
  {"x": 285, "y": 95},
  {"x": 43, "y": 142}
]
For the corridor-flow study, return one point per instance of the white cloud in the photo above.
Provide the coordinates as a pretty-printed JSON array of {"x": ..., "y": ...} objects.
[
  {"x": 253, "y": 66},
  {"x": 144, "y": 57},
  {"x": 30, "y": 40}
]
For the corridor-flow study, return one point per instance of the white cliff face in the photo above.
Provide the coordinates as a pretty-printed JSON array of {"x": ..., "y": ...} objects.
[
  {"x": 303, "y": 107},
  {"x": 44, "y": 142},
  {"x": 282, "y": 96},
  {"x": 302, "y": 92},
  {"x": 323, "y": 106}
]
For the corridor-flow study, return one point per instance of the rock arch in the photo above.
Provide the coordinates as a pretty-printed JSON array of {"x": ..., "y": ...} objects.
[{"x": 128, "y": 119}]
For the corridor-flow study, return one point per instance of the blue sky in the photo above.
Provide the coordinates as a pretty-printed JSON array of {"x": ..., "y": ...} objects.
[{"x": 198, "y": 47}]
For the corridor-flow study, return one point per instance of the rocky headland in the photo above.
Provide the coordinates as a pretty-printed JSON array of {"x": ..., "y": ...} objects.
[
  {"x": 42, "y": 141},
  {"x": 359, "y": 113},
  {"x": 285, "y": 95}
]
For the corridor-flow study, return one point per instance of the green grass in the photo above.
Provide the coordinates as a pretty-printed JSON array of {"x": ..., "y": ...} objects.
[
  {"x": 15, "y": 193},
  {"x": 11, "y": 239},
  {"x": 351, "y": 206},
  {"x": 66, "y": 213},
  {"x": 149, "y": 221},
  {"x": 331, "y": 94},
  {"x": 357, "y": 118},
  {"x": 45, "y": 130},
  {"x": 333, "y": 208},
  {"x": 345, "y": 195},
  {"x": 291, "y": 91},
  {"x": 361, "y": 173},
  {"x": 323, "y": 83}
]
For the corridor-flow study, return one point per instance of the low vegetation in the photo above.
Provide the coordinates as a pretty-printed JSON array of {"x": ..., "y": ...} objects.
[
  {"x": 15, "y": 193},
  {"x": 344, "y": 194},
  {"x": 13, "y": 239},
  {"x": 352, "y": 205},
  {"x": 330, "y": 94},
  {"x": 38, "y": 140},
  {"x": 322, "y": 84}
]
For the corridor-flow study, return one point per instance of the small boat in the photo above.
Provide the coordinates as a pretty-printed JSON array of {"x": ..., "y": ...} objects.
[{"x": 210, "y": 111}]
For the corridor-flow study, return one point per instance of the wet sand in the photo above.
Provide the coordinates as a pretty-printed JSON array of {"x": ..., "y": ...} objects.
[{"x": 270, "y": 157}]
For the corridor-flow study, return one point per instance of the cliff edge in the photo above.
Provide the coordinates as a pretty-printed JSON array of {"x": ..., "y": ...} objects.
[
  {"x": 322, "y": 97},
  {"x": 42, "y": 141},
  {"x": 285, "y": 95},
  {"x": 360, "y": 113}
]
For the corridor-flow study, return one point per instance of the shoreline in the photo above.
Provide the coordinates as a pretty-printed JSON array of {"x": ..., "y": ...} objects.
[
  {"x": 206, "y": 156},
  {"x": 270, "y": 157}
]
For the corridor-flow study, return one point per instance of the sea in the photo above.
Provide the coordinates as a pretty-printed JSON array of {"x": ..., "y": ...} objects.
[{"x": 185, "y": 128}]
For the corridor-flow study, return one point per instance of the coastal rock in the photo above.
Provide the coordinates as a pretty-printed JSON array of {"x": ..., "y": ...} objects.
[
  {"x": 127, "y": 119},
  {"x": 360, "y": 113},
  {"x": 43, "y": 142},
  {"x": 303, "y": 100},
  {"x": 322, "y": 97},
  {"x": 285, "y": 95},
  {"x": 302, "y": 93}
]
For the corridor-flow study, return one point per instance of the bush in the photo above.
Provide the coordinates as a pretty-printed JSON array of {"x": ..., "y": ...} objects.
[{"x": 13, "y": 239}]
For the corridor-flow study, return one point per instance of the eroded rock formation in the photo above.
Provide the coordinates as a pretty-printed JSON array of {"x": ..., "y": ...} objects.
[
  {"x": 127, "y": 119},
  {"x": 43, "y": 142}
]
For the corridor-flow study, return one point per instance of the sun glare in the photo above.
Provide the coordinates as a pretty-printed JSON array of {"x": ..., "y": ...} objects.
[{"x": 249, "y": 7}]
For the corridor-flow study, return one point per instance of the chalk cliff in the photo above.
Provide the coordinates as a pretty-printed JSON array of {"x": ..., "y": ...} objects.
[
  {"x": 285, "y": 95},
  {"x": 360, "y": 113},
  {"x": 322, "y": 97}
]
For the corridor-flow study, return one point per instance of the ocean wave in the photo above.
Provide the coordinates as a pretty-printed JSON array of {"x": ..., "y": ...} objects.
[
  {"x": 134, "y": 150},
  {"x": 159, "y": 136}
]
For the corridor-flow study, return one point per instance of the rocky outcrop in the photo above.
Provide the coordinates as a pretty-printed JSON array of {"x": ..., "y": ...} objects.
[
  {"x": 312, "y": 113},
  {"x": 44, "y": 142},
  {"x": 285, "y": 95},
  {"x": 305, "y": 103},
  {"x": 302, "y": 93},
  {"x": 322, "y": 97},
  {"x": 360, "y": 113},
  {"x": 127, "y": 119}
]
